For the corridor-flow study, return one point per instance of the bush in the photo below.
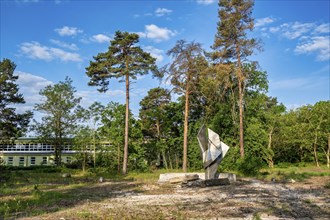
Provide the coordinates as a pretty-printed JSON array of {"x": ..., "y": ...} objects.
[
  {"x": 250, "y": 166},
  {"x": 39, "y": 169}
]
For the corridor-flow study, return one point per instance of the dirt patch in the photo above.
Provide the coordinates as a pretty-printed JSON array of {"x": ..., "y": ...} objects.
[{"x": 244, "y": 199}]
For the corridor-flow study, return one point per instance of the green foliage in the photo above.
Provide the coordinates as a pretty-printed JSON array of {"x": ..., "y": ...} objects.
[
  {"x": 112, "y": 131},
  {"x": 83, "y": 142},
  {"x": 184, "y": 73},
  {"x": 122, "y": 60},
  {"x": 304, "y": 134},
  {"x": 12, "y": 124},
  {"x": 61, "y": 110},
  {"x": 250, "y": 165},
  {"x": 156, "y": 124},
  {"x": 231, "y": 40},
  {"x": 232, "y": 45}
]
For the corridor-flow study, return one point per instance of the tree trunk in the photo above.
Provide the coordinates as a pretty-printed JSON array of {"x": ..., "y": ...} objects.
[
  {"x": 185, "y": 132},
  {"x": 176, "y": 161},
  {"x": 164, "y": 160},
  {"x": 270, "y": 158},
  {"x": 84, "y": 160},
  {"x": 241, "y": 136},
  {"x": 240, "y": 80},
  {"x": 118, "y": 157},
  {"x": 94, "y": 155},
  {"x": 170, "y": 160},
  {"x": 58, "y": 152},
  {"x": 126, "y": 126},
  {"x": 315, "y": 152},
  {"x": 328, "y": 152}
]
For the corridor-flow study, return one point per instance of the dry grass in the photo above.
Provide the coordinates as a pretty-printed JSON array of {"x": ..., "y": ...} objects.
[{"x": 41, "y": 195}]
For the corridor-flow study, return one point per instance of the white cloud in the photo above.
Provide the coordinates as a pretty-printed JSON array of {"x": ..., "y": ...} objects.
[
  {"x": 65, "y": 56},
  {"x": 90, "y": 96},
  {"x": 311, "y": 38},
  {"x": 64, "y": 45},
  {"x": 100, "y": 38},
  {"x": 35, "y": 50},
  {"x": 68, "y": 31},
  {"x": 322, "y": 29},
  {"x": 319, "y": 45},
  {"x": 293, "y": 30},
  {"x": 162, "y": 11},
  {"x": 30, "y": 85},
  {"x": 297, "y": 29},
  {"x": 154, "y": 52},
  {"x": 274, "y": 29},
  {"x": 156, "y": 33},
  {"x": 263, "y": 21},
  {"x": 205, "y": 2}
]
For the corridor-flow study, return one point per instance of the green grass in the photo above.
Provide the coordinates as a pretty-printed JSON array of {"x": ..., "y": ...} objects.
[
  {"x": 297, "y": 172},
  {"x": 30, "y": 192}
]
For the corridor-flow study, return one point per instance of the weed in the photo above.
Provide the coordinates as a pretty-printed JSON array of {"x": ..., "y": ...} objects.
[
  {"x": 308, "y": 201},
  {"x": 327, "y": 185},
  {"x": 256, "y": 216}
]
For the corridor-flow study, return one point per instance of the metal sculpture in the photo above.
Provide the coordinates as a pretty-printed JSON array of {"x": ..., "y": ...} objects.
[{"x": 213, "y": 151}]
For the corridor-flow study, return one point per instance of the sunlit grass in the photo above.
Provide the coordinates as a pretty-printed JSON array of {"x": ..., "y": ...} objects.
[
  {"x": 35, "y": 192},
  {"x": 297, "y": 172}
]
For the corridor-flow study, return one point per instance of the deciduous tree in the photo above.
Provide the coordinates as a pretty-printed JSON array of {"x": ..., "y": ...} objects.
[
  {"x": 61, "y": 108},
  {"x": 92, "y": 115},
  {"x": 154, "y": 119}
]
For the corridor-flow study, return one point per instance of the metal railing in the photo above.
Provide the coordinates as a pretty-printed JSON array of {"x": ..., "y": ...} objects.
[{"x": 32, "y": 148}]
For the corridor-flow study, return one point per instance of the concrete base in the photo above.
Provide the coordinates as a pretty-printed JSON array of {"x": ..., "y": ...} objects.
[
  {"x": 166, "y": 177},
  {"x": 230, "y": 176}
]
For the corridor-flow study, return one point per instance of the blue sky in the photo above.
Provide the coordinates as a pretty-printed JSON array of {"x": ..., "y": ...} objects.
[{"x": 52, "y": 39}]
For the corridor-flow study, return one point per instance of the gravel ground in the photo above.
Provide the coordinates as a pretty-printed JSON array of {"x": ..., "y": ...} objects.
[{"x": 244, "y": 199}]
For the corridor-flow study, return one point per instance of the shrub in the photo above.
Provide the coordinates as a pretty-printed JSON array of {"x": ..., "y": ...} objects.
[{"x": 250, "y": 166}]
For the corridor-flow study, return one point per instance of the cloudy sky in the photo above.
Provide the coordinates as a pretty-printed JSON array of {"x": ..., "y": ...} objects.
[{"x": 52, "y": 39}]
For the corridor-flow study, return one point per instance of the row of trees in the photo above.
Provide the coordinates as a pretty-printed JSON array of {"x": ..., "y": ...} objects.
[
  {"x": 272, "y": 134},
  {"x": 221, "y": 88}
]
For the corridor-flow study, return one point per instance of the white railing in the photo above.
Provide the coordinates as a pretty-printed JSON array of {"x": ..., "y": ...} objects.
[{"x": 31, "y": 148}]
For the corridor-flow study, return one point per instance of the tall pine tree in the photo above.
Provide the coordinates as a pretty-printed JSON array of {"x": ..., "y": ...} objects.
[
  {"x": 232, "y": 45},
  {"x": 184, "y": 73},
  {"x": 123, "y": 60},
  {"x": 12, "y": 124}
]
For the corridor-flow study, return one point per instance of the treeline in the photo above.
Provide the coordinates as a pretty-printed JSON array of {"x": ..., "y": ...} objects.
[
  {"x": 221, "y": 88},
  {"x": 272, "y": 134}
]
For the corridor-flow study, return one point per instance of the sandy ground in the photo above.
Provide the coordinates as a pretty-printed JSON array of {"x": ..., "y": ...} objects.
[{"x": 244, "y": 199}]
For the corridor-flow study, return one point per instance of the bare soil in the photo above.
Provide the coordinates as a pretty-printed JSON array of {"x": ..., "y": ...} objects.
[{"x": 244, "y": 199}]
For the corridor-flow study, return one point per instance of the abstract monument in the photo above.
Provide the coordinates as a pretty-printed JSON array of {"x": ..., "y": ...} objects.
[{"x": 213, "y": 151}]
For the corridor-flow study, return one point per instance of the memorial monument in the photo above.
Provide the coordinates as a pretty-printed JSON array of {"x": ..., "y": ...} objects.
[{"x": 213, "y": 151}]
